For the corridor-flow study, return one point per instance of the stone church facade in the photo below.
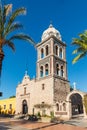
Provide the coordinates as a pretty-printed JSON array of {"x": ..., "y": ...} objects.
[{"x": 51, "y": 86}]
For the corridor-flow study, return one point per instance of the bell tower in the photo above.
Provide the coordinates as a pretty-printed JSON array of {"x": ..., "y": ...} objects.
[
  {"x": 51, "y": 55},
  {"x": 51, "y": 62}
]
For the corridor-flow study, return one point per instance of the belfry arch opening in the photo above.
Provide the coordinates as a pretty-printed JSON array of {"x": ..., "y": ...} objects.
[{"x": 76, "y": 104}]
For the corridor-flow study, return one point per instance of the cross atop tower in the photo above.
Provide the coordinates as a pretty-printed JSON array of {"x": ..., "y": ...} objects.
[{"x": 26, "y": 73}]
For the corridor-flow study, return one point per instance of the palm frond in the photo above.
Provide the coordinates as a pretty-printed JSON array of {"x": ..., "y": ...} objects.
[
  {"x": 23, "y": 37},
  {"x": 8, "y": 9},
  {"x": 13, "y": 27},
  {"x": 83, "y": 36},
  {"x": 4, "y": 15},
  {"x": 13, "y": 16},
  {"x": 78, "y": 57},
  {"x": 3, "y": 12},
  {"x": 78, "y": 50},
  {"x": 76, "y": 41},
  {"x": 80, "y": 43},
  {"x": 1, "y": 20},
  {"x": 10, "y": 44}
]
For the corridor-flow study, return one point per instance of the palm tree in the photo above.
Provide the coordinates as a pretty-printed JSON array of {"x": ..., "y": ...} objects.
[
  {"x": 8, "y": 26},
  {"x": 81, "y": 46}
]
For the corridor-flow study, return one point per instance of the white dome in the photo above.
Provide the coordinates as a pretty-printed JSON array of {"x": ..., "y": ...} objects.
[{"x": 51, "y": 31}]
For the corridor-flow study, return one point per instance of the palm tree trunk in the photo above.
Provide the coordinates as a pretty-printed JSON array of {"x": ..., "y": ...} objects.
[{"x": 1, "y": 59}]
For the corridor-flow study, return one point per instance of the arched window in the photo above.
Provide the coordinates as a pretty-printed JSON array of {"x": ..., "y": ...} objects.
[
  {"x": 46, "y": 69},
  {"x": 42, "y": 53},
  {"x": 41, "y": 71},
  {"x": 64, "y": 106},
  {"x": 57, "y": 69},
  {"x": 47, "y": 50},
  {"x": 57, "y": 107},
  {"x": 56, "y": 50},
  {"x": 60, "y": 53},
  {"x": 62, "y": 72}
]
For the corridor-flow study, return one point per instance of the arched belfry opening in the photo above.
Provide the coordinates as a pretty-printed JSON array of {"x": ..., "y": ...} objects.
[
  {"x": 25, "y": 107},
  {"x": 76, "y": 104}
]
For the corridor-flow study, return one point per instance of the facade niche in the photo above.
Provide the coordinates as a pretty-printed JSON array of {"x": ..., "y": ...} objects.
[{"x": 24, "y": 90}]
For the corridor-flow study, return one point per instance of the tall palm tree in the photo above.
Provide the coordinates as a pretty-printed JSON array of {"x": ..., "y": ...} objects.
[
  {"x": 8, "y": 26},
  {"x": 81, "y": 46}
]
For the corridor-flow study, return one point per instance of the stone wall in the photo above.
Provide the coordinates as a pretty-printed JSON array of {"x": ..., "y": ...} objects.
[{"x": 61, "y": 89}]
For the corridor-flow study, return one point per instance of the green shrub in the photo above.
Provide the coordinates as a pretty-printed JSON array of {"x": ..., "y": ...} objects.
[
  {"x": 38, "y": 114},
  {"x": 52, "y": 114}
]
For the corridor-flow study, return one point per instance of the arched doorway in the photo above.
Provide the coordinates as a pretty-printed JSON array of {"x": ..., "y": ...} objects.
[
  {"x": 76, "y": 104},
  {"x": 25, "y": 107}
]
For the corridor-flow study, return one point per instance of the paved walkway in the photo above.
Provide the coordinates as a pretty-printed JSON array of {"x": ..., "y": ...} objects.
[
  {"x": 78, "y": 122},
  {"x": 74, "y": 124}
]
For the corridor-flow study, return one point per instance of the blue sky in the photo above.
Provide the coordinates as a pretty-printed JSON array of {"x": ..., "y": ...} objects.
[{"x": 68, "y": 16}]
